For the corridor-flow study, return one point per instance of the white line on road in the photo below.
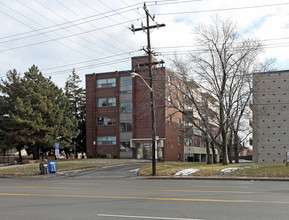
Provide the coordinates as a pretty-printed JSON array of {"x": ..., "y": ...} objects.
[
  {"x": 234, "y": 187},
  {"x": 145, "y": 217}
]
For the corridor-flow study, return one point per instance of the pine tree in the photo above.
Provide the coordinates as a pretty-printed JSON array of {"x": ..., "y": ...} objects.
[
  {"x": 77, "y": 98},
  {"x": 36, "y": 112},
  {"x": 11, "y": 126}
]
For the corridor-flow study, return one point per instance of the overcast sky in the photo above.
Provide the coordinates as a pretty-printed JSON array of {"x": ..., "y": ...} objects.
[{"x": 93, "y": 36}]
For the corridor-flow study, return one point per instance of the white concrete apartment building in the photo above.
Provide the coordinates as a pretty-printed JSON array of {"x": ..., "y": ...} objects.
[{"x": 270, "y": 116}]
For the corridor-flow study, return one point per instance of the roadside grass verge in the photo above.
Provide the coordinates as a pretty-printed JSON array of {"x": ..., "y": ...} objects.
[
  {"x": 63, "y": 165},
  {"x": 237, "y": 170},
  {"x": 163, "y": 169}
]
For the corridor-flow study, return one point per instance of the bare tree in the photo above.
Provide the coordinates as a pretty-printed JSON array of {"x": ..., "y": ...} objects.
[{"x": 222, "y": 68}]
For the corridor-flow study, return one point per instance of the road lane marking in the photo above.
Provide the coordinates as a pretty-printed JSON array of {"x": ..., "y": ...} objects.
[
  {"x": 164, "y": 190},
  {"x": 147, "y": 198},
  {"x": 39, "y": 187},
  {"x": 213, "y": 191},
  {"x": 145, "y": 217}
]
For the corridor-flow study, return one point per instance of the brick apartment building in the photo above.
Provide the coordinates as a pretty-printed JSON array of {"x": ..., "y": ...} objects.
[
  {"x": 270, "y": 116},
  {"x": 118, "y": 115}
]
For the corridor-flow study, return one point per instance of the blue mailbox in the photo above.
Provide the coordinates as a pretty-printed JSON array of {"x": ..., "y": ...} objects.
[{"x": 51, "y": 166}]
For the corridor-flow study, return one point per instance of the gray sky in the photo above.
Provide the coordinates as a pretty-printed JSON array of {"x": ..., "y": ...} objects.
[{"x": 93, "y": 36}]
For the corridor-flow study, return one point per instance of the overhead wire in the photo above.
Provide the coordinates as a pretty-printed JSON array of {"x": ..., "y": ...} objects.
[
  {"x": 172, "y": 2},
  {"x": 168, "y": 2},
  {"x": 222, "y": 9},
  {"x": 105, "y": 63},
  {"x": 115, "y": 39},
  {"x": 115, "y": 61},
  {"x": 75, "y": 65},
  {"x": 74, "y": 22},
  {"x": 69, "y": 36},
  {"x": 91, "y": 25},
  {"x": 136, "y": 10},
  {"x": 64, "y": 37},
  {"x": 33, "y": 29},
  {"x": 86, "y": 40},
  {"x": 183, "y": 52},
  {"x": 86, "y": 47},
  {"x": 82, "y": 67}
]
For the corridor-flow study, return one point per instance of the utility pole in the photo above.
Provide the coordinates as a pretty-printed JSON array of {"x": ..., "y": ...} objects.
[{"x": 150, "y": 64}]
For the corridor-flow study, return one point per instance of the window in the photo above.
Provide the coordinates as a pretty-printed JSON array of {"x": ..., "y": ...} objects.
[
  {"x": 106, "y": 121},
  {"x": 106, "y": 140},
  {"x": 179, "y": 140},
  {"x": 169, "y": 119},
  {"x": 188, "y": 141},
  {"x": 169, "y": 100},
  {"x": 179, "y": 105},
  {"x": 179, "y": 122},
  {"x": 189, "y": 124},
  {"x": 125, "y": 146},
  {"x": 125, "y": 84},
  {"x": 126, "y": 107},
  {"x": 179, "y": 86},
  {"x": 102, "y": 83},
  {"x": 125, "y": 127},
  {"x": 169, "y": 80},
  {"x": 106, "y": 102}
]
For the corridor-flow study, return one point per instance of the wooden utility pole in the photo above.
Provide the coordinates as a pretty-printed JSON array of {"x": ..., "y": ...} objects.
[{"x": 150, "y": 64}]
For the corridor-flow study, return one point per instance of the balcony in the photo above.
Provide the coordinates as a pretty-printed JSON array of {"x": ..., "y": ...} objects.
[{"x": 197, "y": 132}]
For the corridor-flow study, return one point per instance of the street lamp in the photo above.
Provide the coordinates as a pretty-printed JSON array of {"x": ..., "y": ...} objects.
[{"x": 133, "y": 74}]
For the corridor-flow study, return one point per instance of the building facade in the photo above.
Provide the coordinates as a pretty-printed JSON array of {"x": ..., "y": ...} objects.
[
  {"x": 119, "y": 122},
  {"x": 195, "y": 141},
  {"x": 270, "y": 116}
]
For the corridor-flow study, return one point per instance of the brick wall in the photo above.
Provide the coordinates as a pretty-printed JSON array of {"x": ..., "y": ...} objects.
[
  {"x": 90, "y": 115},
  {"x": 141, "y": 115}
]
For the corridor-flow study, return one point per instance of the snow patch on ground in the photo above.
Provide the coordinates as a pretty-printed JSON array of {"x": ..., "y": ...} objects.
[
  {"x": 186, "y": 172},
  {"x": 134, "y": 171},
  {"x": 231, "y": 169}
]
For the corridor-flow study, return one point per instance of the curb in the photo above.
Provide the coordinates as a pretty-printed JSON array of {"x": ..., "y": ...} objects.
[
  {"x": 61, "y": 175},
  {"x": 215, "y": 178}
]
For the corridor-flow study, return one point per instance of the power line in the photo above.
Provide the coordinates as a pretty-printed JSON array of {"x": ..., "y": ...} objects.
[
  {"x": 68, "y": 36},
  {"x": 121, "y": 60},
  {"x": 90, "y": 66},
  {"x": 33, "y": 29},
  {"x": 170, "y": 2},
  {"x": 102, "y": 58},
  {"x": 222, "y": 9},
  {"x": 102, "y": 30},
  {"x": 136, "y": 10},
  {"x": 88, "y": 48},
  {"x": 91, "y": 25},
  {"x": 74, "y": 22}
]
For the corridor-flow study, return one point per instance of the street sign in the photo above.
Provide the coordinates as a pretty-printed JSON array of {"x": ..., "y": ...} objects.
[{"x": 56, "y": 150}]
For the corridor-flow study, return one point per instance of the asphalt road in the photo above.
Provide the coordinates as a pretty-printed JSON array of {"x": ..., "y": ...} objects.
[{"x": 117, "y": 193}]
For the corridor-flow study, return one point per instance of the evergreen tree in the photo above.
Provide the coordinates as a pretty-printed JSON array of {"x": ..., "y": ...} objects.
[
  {"x": 12, "y": 127},
  {"x": 36, "y": 112},
  {"x": 77, "y": 98}
]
